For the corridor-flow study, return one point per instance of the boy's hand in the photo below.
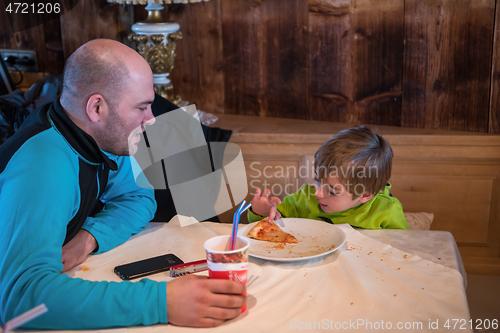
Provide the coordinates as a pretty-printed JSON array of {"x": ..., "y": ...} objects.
[
  {"x": 261, "y": 204},
  {"x": 274, "y": 214}
]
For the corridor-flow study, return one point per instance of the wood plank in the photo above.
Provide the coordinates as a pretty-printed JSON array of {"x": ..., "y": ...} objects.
[
  {"x": 494, "y": 121},
  {"x": 252, "y": 129},
  {"x": 330, "y": 82},
  {"x": 416, "y": 152},
  {"x": 287, "y": 59},
  {"x": 377, "y": 61},
  {"x": 125, "y": 20},
  {"x": 140, "y": 13},
  {"x": 43, "y": 38},
  {"x": 52, "y": 59},
  {"x": 198, "y": 75},
  {"x": 89, "y": 20},
  {"x": 481, "y": 258},
  {"x": 280, "y": 176},
  {"x": 494, "y": 225},
  {"x": 266, "y": 57},
  {"x": 356, "y": 61},
  {"x": 25, "y": 15},
  {"x": 447, "y": 60},
  {"x": 440, "y": 194},
  {"x": 244, "y": 67},
  {"x": 481, "y": 266}
]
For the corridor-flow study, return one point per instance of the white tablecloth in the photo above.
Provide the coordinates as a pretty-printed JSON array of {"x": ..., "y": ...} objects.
[
  {"x": 437, "y": 246},
  {"x": 366, "y": 286}
]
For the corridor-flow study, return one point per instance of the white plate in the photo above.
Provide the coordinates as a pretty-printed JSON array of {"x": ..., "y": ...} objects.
[{"x": 316, "y": 239}]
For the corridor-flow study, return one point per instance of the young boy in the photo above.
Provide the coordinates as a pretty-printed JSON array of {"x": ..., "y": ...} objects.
[{"x": 351, "y": 173}]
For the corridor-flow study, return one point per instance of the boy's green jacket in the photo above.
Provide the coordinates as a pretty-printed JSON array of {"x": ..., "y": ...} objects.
[{"x": 383, "y": 211}]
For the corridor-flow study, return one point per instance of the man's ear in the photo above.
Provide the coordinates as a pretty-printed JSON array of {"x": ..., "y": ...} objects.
[
  {"x": 97, "y": 108},
  {"x": 365, "y": 197}
]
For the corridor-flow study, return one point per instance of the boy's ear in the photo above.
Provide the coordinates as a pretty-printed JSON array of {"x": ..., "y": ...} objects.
[
  {"x": 365, "y": 197},
  {"x": 97, "y": 108}
]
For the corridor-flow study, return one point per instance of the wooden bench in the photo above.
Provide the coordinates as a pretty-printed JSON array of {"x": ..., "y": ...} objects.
[{"x": 455, "y": 175}]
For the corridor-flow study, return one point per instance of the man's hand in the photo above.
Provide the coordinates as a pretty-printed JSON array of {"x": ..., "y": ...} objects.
[
  {"x": 261, "y": 205},
  {"x": 76, "y": 250},
  {"x": 196, "y": 301}
]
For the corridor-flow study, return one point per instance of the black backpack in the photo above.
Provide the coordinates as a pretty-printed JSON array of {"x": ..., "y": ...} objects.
[{"x": 11, "y": 118}]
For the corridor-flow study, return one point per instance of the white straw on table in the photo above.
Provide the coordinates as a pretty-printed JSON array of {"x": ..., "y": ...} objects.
[{"x": 24, "y": 318}]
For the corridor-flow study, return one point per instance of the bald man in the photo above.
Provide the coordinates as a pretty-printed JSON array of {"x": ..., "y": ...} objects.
[{"x": 67, "y": 190}]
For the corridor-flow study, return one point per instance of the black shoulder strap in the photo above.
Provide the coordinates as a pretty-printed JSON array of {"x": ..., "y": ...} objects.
[{"x": 326, "y": 219}]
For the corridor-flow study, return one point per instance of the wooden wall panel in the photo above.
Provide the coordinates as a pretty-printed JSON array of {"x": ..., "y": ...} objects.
[
  {"x": 411, "y": 63},
  {"x": 287, "y": 59},
  {"x": 125, "y": 21},
  {"x": 44, "y": 39},
  {"x": 329, "y": 43},
  {"x": 266, "y": 57},
  {"x": 52, "y": 61},
  {"x": 198, "y": 74},
  {"x": 89, "y": 20},
  {"x": 356, "y": 51},
  {"x": 447, "y": 57},
  {"x": 244, "y": 66},
  {"x": 494, "y": 116},
  {"x": 440, "y": 194}
]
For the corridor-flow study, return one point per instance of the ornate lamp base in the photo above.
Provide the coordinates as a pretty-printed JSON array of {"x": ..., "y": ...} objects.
[
  {"x": 164, "y": 88},
  {"x": 156, "y": 41}
]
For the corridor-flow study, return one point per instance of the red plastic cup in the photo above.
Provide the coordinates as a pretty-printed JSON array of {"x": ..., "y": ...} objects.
[{"x": 225, "y": 264}]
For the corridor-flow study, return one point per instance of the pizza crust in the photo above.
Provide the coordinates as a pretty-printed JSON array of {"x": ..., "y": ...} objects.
[{"x": 268, "y": 231}]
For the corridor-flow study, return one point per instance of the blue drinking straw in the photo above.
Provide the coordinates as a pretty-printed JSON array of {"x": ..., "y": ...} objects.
[{"x": 236, "y": 221}]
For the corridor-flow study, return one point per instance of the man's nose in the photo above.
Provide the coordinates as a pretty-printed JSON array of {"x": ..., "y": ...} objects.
[{"x": 149, "y": 119}]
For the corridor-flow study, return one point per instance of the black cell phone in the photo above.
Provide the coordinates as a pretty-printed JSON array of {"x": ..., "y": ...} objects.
[{"x": 149, "y": 266}]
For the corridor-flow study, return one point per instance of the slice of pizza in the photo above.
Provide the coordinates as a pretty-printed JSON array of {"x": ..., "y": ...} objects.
[{"x": 268, "y": 231}]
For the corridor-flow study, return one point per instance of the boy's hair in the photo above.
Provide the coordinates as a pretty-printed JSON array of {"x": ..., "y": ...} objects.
[{"x": 355, "y": 156}]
